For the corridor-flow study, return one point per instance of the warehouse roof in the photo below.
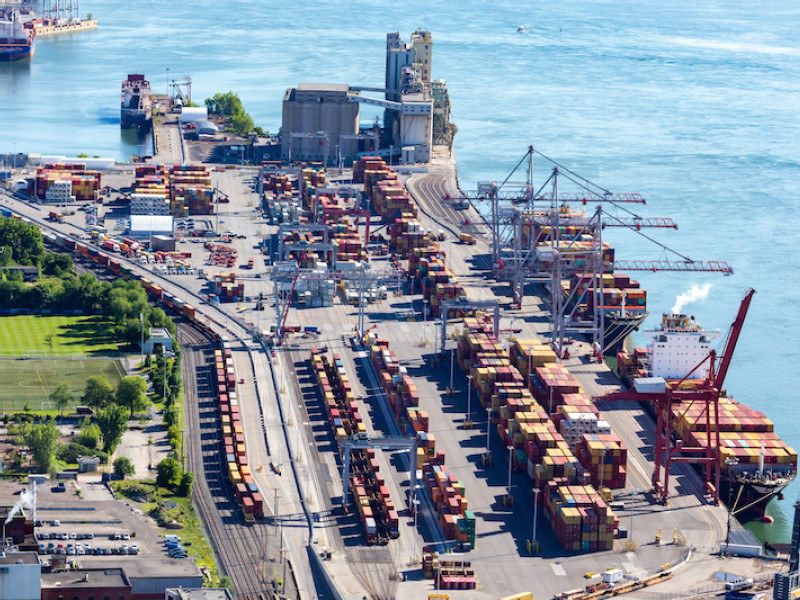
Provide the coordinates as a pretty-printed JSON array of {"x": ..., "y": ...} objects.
[
  {"x": 87, "y": 578},
  {"x": 151, "y": 223},
  {"x": 157, "y": 568}
]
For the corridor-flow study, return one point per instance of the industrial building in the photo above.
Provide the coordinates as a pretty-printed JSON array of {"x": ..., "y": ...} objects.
[
  {"x": 144, "y": 226},
  {"x": 319, "y": 122},
  {"x": 20, "y": 576},
  {"x": 86, "y": 584},
  {"x": 150, "y": 578}
]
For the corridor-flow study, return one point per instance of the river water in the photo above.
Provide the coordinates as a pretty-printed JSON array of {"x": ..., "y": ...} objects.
[{"x": 693, "y": 105}]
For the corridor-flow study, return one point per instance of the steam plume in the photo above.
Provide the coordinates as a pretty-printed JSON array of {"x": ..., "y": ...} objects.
[
  {"x": 25, "y": 501},
  {"x": 695, "y": 293}
]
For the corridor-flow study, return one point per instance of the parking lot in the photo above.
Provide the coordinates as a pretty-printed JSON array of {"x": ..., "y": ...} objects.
[{"x": 86, "y": 521}]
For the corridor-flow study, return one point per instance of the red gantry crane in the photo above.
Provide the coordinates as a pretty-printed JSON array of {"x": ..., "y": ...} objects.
[{"x": 707, "y": 395}]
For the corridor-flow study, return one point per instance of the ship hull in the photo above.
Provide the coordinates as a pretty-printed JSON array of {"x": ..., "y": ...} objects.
[
  {"x": 14, "y": 53},
  {"x": 134, "y": 120},
  {"x": 750, "y": 498},
  {"x": 617, "y": 330}
]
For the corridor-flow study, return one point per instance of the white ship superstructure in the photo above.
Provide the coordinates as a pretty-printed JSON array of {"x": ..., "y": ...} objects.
[{"x": 678, "y": 347}]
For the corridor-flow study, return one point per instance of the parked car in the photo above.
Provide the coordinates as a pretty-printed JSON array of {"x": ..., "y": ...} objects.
[{"x": 126, "y": 536}]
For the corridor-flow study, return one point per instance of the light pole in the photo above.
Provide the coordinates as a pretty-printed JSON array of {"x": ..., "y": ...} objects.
[
  {"x": 631, "y": 544},
  {"x": 509, "y": 497},
  {"x": 450, "y": 390},
  {"x": 415, "y": 503},
  {"x": 731, "y": 461},
  {"x": 424, "y": 322},
  {"x": 468, "y": 420},
  {"x": 308, "y": 474},
  {"x": 488, "y": 456},
  {"x": 535, "y": 548},
  {"x": 435, "y": 341},
  {"x": 167, "y": 82}
]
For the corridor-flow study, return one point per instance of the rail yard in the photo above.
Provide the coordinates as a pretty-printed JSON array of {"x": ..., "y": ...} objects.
[{"x": 350, "y": 364}]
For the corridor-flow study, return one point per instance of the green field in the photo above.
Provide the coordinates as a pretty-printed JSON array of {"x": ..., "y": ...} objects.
[
  {"x": 72, "y": 335},
  {"x": 32, "y": 381}
]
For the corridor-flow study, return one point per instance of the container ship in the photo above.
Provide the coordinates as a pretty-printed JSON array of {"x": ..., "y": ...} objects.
[
  {"x": 137, "y": 105},
  {"x": 755, "y": 464},
  {"x": 16, "y": 41}
]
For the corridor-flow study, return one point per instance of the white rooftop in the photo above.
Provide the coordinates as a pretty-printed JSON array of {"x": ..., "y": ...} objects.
[{"x": 151, "y": 224}]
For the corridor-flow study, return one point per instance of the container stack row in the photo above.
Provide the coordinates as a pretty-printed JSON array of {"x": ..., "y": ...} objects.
[
  {"x": 379, "y": 518},
  {"x": 190, "y": 190},
  {"x": 445, "y": 490},
  {"x": 188, "y": 187},
  {"x": 746, "y": 435},
  {"x": 439, "y": 284},
  {"x": 525, "y": 426},
  {"x": 150, "y": 179},
  {"x": 448, "y": 574},
  {"x": 83, "y": 185},
  {"x": 283, "y": 206}
]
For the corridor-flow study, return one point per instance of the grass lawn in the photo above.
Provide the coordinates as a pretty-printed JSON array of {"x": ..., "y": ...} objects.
[
  {"x": 77, "y": 334},
  {"x": 191, "y": 533},
  {"x": 32, "y": 381}
]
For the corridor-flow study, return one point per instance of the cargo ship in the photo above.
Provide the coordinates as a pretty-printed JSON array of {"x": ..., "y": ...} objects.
[
  {"x": 137, "y": 105},
  {"x": 756, "y": 465},
  {"x": 17, "y": 42}
]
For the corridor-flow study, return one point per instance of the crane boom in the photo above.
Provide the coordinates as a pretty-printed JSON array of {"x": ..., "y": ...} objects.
[
  {"x": 733, "y": 338},
  {"x": 637, "y": 223},
  {"x": 711, "y": 266}
]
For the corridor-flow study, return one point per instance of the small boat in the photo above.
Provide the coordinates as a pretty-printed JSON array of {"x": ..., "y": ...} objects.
[{"x": 521, "y": 29}]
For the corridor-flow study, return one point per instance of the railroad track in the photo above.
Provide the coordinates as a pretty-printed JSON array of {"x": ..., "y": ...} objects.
[{"x": 244, "y": 551}]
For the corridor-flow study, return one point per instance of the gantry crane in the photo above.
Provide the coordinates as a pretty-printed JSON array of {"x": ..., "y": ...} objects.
[
  {"x": 707, "y": 395},
  {"x": 547, "y": 244}
]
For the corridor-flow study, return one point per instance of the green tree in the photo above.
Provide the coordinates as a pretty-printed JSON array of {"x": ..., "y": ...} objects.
[
  {"x": 124, "y": 467},
  {"x": 98, "y": 392},
  {"x": 241, "y": 124},
  {"x": 41, "y": 440},
  {"x": 49, "y": 339},
  {"x": 89, "y": 435},
  {"x": 24, "y": 239},
  {"x": 131, "y": 393},
  {"x": 168, "y": 473},
  {"x": 227, "y": 104},
  {"x": 113, "y": 422},
  {"x": 56, "y": 264},
  {"x": 62, "y": 397},
  {"x": 185, "y": 486},
  {"x": 6, "y": 256}
]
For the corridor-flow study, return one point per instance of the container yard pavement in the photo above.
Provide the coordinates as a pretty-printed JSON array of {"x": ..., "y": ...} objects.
[
  {"x": 32, "y": 381},
  {"x": 24, "y": 335}
]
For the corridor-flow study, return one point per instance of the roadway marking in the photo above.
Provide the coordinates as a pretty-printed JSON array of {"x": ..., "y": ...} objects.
[{"x": 558, "y": 570}]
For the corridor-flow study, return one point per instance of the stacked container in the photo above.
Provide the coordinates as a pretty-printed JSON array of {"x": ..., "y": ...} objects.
[{"x": 537, "y": 446}]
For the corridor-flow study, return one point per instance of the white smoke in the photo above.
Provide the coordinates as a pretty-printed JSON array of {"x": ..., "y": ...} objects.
[
  {"x": 695, "y": 293},
  {"x": 25, "y": 501}
]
